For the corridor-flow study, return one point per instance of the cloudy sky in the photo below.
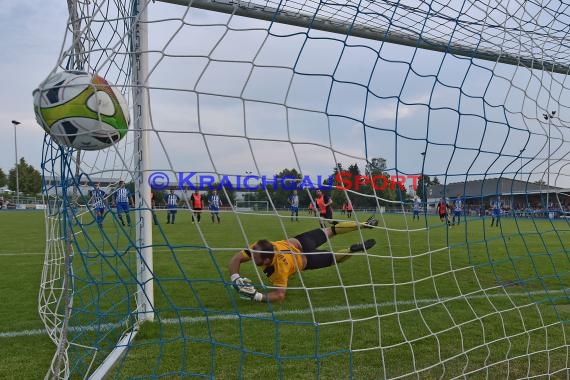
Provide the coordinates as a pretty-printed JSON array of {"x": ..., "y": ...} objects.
[
  {"x": 32, "y": 36},
  {"x": 346, "y": 100}
]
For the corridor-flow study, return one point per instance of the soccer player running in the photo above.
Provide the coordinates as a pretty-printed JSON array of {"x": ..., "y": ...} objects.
[
  {"x": 281, "y": 259},
  {"x": 457, "y": 210},
  {"x": 416, "y": 208},
  {"x": 324, "y": 204},
  {"x": 214, "y": 203},
  {"x": 171, "y": 206},
  {"x": 97, "y": 201},
  {"x": 294, "y": 204},
  {"x": 122, "y": 199},
  {"x": 197, "y": 204}
]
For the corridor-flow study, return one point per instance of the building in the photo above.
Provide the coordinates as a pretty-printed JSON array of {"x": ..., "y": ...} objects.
[{"x": 512, "y": 194}]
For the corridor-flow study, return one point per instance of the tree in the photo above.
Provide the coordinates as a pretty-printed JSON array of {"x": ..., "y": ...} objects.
[
  {"x": 30, "y": 180},
  {"x": 280, "y": 195},
  {"x": 158, "y": 198},
  {"x": 3, "y": 179},
  {"x": 422, "y": 190},
  {"x": 377, "y": 165},
  {"x": 354, "y": 170},
  {"x": 337, "y": 169}
]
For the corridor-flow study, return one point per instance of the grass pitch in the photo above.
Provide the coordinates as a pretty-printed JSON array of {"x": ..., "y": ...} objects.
[{"x": 470, "y": 299}]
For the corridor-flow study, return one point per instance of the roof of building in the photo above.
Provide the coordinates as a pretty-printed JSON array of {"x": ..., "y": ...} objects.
[{"x": 489, "y": 187}]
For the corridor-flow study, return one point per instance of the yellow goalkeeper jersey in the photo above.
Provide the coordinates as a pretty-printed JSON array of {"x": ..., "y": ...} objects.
[{"x": 287, "y": 260}]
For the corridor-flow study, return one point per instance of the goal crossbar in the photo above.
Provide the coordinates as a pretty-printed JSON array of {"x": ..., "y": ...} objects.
[{"x": 351, "y": 26}]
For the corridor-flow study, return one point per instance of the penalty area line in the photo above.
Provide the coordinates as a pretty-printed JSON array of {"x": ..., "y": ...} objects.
[{"x": 22, "y": 254}]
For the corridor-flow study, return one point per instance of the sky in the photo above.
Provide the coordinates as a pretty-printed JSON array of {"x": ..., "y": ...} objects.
[
  {"x": 32, "y": 37},
  {"x": 396, "y": 107}
]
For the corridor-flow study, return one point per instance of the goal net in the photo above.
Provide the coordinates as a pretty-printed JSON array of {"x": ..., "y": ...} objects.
[
  {"x": 459, "y": 107},
  {"x": 252, "y": 206}
]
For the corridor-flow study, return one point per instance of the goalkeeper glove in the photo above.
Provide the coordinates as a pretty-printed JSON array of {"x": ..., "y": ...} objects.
[{"x": 245, "y": 288}]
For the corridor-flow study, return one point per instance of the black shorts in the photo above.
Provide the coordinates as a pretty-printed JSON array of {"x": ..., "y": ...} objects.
[
  {"x": 327, "y": 214},
  {"x": 310, "y": 241}
]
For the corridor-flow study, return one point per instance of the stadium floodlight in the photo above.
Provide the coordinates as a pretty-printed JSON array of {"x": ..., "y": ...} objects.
[
  {"x": 15, "y": 123},
  {"x": 548, "y": 117}
]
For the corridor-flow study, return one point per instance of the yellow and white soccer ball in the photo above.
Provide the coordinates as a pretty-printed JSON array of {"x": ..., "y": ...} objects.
[{"x": 81, "y": 110}]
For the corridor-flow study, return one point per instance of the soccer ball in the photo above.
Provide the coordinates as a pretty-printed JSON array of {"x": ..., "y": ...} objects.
[{"x": 81, "y": 110}]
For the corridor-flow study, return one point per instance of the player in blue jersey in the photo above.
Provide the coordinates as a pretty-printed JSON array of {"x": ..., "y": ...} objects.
[
  {"x": 416, "y": 209},
  {"x": 122, "y": 198},
  {"x": 214, "y": 203},
  {"x": 97, "y": 202},
  {"x": 457, "y": 210},
  {"x": 496, "y": 213},
  {"x": 294, "y": 204},
  {"x": 171, "y": 206}
]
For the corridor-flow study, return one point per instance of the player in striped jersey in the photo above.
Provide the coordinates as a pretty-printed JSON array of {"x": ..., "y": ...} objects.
[
  {"x": 496, "y": 213},
  {"x": 214, "y": 203},
  {"x": 294, "y": 203},
  {"x": 171, "y": 205},
  {"x": 97, "y": 202},
  {"x": 122, "y": 199},
  {"x": 281, "y": 259},
  {"x": 417, "y": 206},
  {"x": 457, "y": 210}
]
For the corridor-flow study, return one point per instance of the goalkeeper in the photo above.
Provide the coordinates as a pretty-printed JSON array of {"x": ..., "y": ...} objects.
[{"x": 280, "y": 260}]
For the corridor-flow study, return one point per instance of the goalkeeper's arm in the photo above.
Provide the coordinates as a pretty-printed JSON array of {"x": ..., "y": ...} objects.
[{"x": 247, "y": 290}]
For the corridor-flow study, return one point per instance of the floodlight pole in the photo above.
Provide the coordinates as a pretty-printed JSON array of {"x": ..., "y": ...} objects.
[
  {"x": 247, "y": 196},
  {"x": 16, "y": 123},
  {"x": 548, "y": 116},
  {"x": 424, "y": 186}
]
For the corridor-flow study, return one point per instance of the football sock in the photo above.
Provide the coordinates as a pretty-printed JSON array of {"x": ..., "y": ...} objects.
[{"x": 344, "y": 227}]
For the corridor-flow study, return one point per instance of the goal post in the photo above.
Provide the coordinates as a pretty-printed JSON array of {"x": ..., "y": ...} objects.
[
  {"x": 382, "y": 106},
  {"x": 141, "y": 125}
]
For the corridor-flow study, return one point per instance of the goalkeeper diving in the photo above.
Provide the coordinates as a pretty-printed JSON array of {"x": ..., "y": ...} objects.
[{"x": 281, "y": 259}]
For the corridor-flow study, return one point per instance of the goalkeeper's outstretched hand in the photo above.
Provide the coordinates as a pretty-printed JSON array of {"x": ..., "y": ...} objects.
[{"x": 245, "y": 289}]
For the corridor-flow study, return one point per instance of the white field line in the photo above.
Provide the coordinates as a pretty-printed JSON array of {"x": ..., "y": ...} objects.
[
  {"x": 22, "y": 254},
  {"x": 233, "y": 316}
]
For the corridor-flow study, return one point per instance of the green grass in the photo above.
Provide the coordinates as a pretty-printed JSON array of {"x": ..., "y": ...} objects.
[{"x": 441, "y": 302}]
